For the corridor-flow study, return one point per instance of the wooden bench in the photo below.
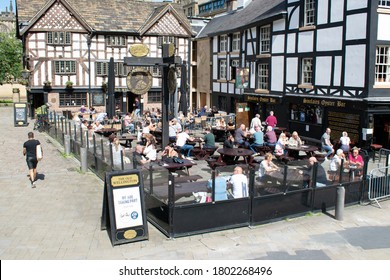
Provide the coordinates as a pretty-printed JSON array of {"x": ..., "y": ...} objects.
[
  {"x": 213, "y": 163},
  {"x": 262, "y": 150},
  {"x": 202, "y": 154},
  {"x": 184, "y": 179}
]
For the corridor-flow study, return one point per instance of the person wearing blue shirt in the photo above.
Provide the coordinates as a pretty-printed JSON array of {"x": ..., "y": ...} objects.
[
  {"x": 220, "y": 187},
  {"x": 258, "y": 139}
]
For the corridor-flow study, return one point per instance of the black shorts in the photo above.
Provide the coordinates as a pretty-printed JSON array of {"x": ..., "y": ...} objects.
[{"x": 31, "y": 162}]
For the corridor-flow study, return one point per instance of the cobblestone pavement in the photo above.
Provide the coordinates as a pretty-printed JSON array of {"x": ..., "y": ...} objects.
[{"x": 60, "y": 219}]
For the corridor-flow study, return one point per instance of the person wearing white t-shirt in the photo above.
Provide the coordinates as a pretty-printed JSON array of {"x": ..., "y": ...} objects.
[
  {"x": 181, "y": 143},
  {"x": 239, "y": 183}
]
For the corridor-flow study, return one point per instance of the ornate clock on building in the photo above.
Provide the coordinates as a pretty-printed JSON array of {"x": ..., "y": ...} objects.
[
  {"x": 139, "y": 81},
  {"x": 172, "y": 80}
]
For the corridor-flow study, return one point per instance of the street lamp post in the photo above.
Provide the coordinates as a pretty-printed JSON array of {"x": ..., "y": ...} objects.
[{"x": 26, "y": 76}]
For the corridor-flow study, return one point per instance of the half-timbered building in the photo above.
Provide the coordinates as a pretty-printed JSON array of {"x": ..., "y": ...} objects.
[
  {"x": 68, "y": 44},
  {"x": 315, "y": 63}
]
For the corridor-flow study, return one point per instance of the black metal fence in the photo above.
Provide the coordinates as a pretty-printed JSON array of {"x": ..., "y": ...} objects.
[{"x": 180, "y": 208}]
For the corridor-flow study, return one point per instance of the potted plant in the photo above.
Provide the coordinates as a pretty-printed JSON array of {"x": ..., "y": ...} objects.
[
  {"x": 69, "y": 84},
  {"x": 47, "y": 84}
]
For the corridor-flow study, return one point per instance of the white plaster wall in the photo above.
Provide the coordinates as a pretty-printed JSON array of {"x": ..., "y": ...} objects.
[
  {"x": 279, "y": 25},
  {"x": 329, "y": 39},
  {"x": 322, "y": 14},
  {"x": 216, "y": 86},
  {"x": 215, "y": 68},
  {"x": 383, "y": 27},
  {"x": 337, "y": 11},
  {"x": 215, "y": 43},
  {"x": 291, "y": 40},
  {"x": 278, "y": 44},
  {"x": 337, "y": 71},
  {"x": 294, "y": 18},
  {"x": 355, "y": 66},
  {"x": 356, "y": 27},
  {"x": 277, "y": 73},
  {"x": 356, "y": 4},
  {"x": 292, "y": 70},
  {"x": 323, "y": 71},
  {"x": 224, "y": 87},
  {"x": 305, "y": 41}
]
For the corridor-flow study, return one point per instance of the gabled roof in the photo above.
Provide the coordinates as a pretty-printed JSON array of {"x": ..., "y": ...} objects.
[
  {"x": 127, "y": 16},
  {"x": 176, "y": 18},
  {"x": 255, "y": 12}
]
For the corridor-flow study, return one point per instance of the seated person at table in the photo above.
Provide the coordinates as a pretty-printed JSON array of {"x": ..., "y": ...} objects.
[
  {"x": 240, "y": 136},
  {"x": 208, "y": 139},
  {"x": 84, "y": 125},
  {"x": 169, "y": 152},
  {"x": 128, "y": 123},
  {"x": 239, "y": 183},
  {"x": 258, "y": 137},
  {"x": 97, "y": 126},
  {"x": 336, "y": 160},
  {"x": 150, "y": 150},
  {"x": 117, "y": 153},
  {"x": 281, "y": 144},
  {"x": 181, "y": 143},
  {"x": 220, "y": 187},
  {"x": 270, "y": 137},
  {"x": 267, "y": 166},
  {"x": 294, "y": 140},
  {"x": 355, "y": 159},
  {"x": 101, "y": 117},
  {"x": 139, "y": 159},
  {"x": 222, "y": 123},
  {"x": 228, "y": 144},
  {"x": 176, "y": 124},
  {"x": 172, "y": 133},
  {"x": 83, "y": 110},
  {"x": 322, "y": 179}
]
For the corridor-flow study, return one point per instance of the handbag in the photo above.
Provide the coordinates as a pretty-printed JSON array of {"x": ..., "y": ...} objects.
[
  {"x": 39, "y": 152},
  {"x": 177, "y": 160}
]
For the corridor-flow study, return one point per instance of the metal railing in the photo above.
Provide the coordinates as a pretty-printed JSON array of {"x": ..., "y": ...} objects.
[{"x": 378, "y": 184}]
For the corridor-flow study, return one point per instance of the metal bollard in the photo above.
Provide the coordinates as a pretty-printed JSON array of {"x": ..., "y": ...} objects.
[
  {"x": 67, "y": 144},
  {"x": 339, "y": 209},
  {"x": 83, "y": 158}
]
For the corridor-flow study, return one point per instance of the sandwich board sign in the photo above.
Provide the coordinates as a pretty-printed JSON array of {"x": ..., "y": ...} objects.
[{"x": 123, "y": 214}]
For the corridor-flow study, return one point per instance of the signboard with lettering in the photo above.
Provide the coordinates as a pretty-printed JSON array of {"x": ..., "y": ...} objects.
[
  {"x": 123, "y": 212},
  {"x": 20, "y": 114}
]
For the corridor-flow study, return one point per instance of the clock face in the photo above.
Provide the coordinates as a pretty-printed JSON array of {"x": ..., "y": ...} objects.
[
  {"x": 139, "y": 81},
  {"x": 171, "y": 81}
]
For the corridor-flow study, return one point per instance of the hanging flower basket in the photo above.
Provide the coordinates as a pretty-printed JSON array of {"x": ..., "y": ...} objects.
[{"x": 69, "y": 84}]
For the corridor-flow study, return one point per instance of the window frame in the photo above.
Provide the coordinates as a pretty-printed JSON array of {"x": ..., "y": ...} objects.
[
  {"x": 222, "y": 67},
  {"x": 309, "y": 13},
  {"x": 262, "y": 79},
  {"x": 157, "y": 98},
  {"x": 115, "y": 41},
  {"x": 234, "y": 64},
  {"x": 307, "y": 74},
  {"x": 384, "y": 4},
  {"x": 382, "y": 77},
  {"x": 121, "y": 70},
  {"x": 52, "y": 36},
  {"x": 236, "y": 42},
  {"x": 265, "y": 39},
  {"x": 75, "y": 99},
  {"x": 59, "y": 69},
  {"x": 223, "y": 43}
]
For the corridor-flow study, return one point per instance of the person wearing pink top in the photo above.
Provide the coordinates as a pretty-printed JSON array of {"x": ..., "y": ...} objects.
[
  {"x": 271, "y": 120},
  {"x": 356, "y": 159}
]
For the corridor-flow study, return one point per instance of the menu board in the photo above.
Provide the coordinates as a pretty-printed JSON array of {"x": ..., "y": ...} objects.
[
  {"x": 123, "y": 212},
  {"x": 341, "y": 121},
  {"x": 20, "y": 114}
]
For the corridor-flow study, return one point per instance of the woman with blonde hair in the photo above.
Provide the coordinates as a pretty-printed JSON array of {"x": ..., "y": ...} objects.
[
  {"x": 345, "y": 142},
  {"x": 280, "y": 145}
]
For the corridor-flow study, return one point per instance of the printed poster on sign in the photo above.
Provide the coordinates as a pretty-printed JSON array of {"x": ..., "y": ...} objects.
[
  {"x": 127, "y": 204},
  {"x": 242, "y": 77}
]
